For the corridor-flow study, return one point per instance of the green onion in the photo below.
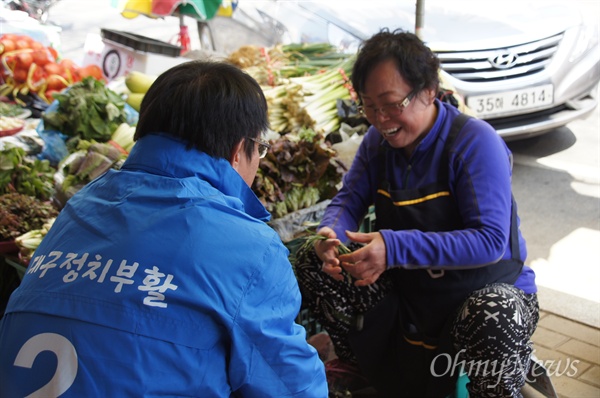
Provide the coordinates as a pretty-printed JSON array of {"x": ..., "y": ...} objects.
[{"x": 312, "y": 238}]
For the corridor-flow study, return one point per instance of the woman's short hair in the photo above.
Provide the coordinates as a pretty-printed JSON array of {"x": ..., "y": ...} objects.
[
  {"x": 417, "y": 64},
  {"x": 209, "y": 105}
]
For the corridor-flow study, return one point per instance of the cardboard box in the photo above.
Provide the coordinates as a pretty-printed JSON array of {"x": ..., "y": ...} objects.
[{"x": 118, "y": 53}]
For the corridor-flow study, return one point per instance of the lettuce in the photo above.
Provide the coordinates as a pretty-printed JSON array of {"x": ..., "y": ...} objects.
[{"x": 87, "y": 109}]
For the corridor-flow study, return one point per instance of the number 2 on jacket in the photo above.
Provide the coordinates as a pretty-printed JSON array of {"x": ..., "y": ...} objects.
[{"x": 66, "y": 367}]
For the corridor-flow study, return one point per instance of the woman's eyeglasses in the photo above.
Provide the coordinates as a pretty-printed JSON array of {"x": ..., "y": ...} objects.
[
  {"x": 263, "y": 146},
  {"x": 388, "y": 110}
]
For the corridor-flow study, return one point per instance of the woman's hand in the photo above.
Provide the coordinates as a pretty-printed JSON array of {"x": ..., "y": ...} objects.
[
  {"x": 328, "y": 253},
  {"x": 367, "y": 263}
]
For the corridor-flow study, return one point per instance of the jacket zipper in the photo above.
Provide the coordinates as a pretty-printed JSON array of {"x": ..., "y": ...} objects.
[{"x": 406, "y": 175}]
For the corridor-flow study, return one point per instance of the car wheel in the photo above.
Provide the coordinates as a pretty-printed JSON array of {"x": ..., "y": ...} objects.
[{"x": 205, "y": 36}]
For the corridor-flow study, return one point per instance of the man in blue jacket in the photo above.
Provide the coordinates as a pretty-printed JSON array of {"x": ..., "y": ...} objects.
[{"x": 162, "y": 278}]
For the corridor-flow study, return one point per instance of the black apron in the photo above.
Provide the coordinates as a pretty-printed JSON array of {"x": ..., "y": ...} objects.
[{"x": 401, "y": 336}]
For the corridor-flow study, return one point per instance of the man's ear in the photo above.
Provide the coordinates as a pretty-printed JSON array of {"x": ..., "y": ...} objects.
[{"x": 236, "y": 153}]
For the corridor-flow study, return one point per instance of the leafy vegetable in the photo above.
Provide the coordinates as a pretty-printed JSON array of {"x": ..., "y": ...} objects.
[
  {"x": 26, "y": 175},
  {"x": 88, "y": 109},
  {"x": 291, "y": 176},
  {"x": 21, "y": 213},
  {"x": 7, "y": 109},
  {"x": 30, "y": 240},
  {"x": 88, "y": 161}
]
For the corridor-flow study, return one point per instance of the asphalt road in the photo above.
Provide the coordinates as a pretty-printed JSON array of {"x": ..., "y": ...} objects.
[
  {"x": 556, "y": 183},
  {"x": 556, "y": 176}
]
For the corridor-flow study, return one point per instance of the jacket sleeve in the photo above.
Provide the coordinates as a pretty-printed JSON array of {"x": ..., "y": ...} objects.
[
  {"x": 359, "y": 186},
  {"x": 269, "y": 354},
  {"x": 480, "y": 181}
]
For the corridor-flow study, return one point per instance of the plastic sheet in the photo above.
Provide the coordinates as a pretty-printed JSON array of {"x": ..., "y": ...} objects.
[
  {"x": 294, "y": 224},
  {"x": 351, "y": 139}
]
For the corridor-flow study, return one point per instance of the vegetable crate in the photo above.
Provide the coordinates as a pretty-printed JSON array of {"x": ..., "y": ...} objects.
[
  {"x": 368, "y": 223},
  {"x": 310, "y": 324}
]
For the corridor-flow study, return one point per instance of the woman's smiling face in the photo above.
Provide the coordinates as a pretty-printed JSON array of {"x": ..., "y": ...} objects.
[{"x": 404, "y": 125}]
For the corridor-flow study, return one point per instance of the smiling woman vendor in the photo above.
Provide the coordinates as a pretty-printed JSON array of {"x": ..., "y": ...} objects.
[{"x": 442, "y": 278}]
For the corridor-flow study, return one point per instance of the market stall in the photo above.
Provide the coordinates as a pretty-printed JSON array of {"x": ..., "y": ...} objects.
[
  {"x": 85, "y": 127},
  {"x": 68, "y": 125}
]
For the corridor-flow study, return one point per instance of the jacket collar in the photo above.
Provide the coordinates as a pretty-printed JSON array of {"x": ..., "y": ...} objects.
[
  {"x": 434, "y": 133},
  {"x": 165, "y": 155}
]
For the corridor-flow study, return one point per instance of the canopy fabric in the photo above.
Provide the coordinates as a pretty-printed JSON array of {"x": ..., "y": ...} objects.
[{"x": 199, "y": 9}]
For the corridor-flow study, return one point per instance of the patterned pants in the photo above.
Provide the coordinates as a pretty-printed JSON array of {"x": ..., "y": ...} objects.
[
  {"x": 491, "y": 331},
  {"x": 492, "y": 337}
]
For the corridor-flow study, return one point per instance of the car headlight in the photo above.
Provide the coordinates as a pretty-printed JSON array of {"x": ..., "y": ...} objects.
[
  {"x": 587, "y": 39},
  {"x": 342, "y": 40}
]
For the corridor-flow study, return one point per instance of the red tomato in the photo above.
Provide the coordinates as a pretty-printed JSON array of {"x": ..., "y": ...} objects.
[
  {"x": 67, "y": 63},
  {"x": 7, "y": 45},
  {"x": 41, "y": 57},
  {"x": 53, "y": 52},
  {"x": 21, "y": 44},
  {"x": 91, "y": 70},
  {"x": 35, "y": 45},
  {"x": 24, "y": 60},
  {"x": 20, "y": 75},
  {"x": 10, "y": 36},
  {"x": 52, "y": 68},
  {"x": 54, "y": 82},
  {"x": 38, "y": 74},
  {"x": 71, "y": 67}
]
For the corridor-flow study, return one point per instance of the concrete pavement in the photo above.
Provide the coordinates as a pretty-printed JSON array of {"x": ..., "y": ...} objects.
[{"x": 570, "y": 350}]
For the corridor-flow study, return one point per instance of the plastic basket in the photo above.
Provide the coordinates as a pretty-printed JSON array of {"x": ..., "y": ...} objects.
[
  {"x": 309, "y": 323},
  {"x": 368, "y": 223}
]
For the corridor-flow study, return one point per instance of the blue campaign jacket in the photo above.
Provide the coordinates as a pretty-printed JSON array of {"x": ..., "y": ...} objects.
[{"x": 161, "y": 279}]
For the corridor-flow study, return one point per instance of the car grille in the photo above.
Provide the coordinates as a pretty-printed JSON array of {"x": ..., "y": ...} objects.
[{"x": 500, "y": 64}]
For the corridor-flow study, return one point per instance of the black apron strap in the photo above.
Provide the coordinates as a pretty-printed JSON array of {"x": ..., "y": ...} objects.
[
  {"x": 456, "y": 127},
  {"x": 514, "y": 232}
]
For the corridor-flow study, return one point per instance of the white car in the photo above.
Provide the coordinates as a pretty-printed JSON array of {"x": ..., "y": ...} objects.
[{"x": 525, "y": 67}]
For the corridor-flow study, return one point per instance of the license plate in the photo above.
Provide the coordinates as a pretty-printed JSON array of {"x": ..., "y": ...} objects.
[{"x": 509, "y": 101}]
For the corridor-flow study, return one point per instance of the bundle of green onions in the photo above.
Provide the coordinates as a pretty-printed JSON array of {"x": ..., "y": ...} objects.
[
  {"x": 321, "y": 92},
  {"x": 313, "y": 237},
  {"x": 30, "y": 240},
  {"x": 310, "y": 101},
  {"x": 270, "y": 65},
  {"x": 307, "y": 59},
  {"x": 262, "y": 63},
  {"x": 308, "y": 244},
  {"x": 302, "y": 83}
]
